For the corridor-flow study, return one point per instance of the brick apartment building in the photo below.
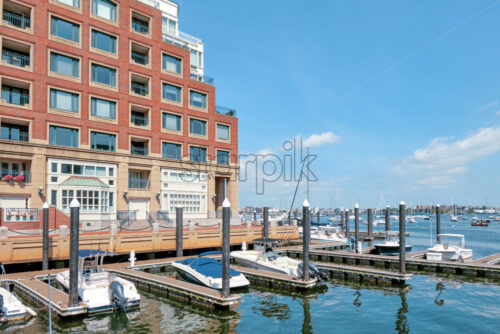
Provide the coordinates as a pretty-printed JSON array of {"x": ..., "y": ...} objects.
[{"x": 107, "y": 101}]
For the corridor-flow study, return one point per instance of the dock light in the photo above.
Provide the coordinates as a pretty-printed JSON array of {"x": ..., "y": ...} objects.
[{"x": 40, "y": 191}]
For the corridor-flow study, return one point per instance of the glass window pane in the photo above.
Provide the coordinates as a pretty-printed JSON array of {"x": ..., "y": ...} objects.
[
  {"x": 103, "y": 75},
  {"x": 172, "y": 93},
  {"x": 171, "y": 151},
  {"x": 103, "y": 41},
  {"x": 103, "y": 108},
  {"x": 222, "y": 132},
  {"x": 105, "y": 9},
  {"x": 64, "y": 100},
  {"x": 65, "y": 29},
  {"x": 222, "y": 157},
  {"x": 63, "y": 136},
  {"x": 64, "y": 65},
  {"x": 90, "y": 170},
  {"x": 102, "y": 141},
  {"x": 197, "y": 99},
  {"x": 197, "y": 154},
  {"x": 198, "y": 127},
  {"x": 172, "y": 64},
  {"x": 101, "y": 171},
  {"x": 172, "y": 122}
]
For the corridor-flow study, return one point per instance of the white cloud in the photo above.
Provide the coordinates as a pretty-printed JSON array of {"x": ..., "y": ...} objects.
[
  {"x": 487, "y": 106},
  {"x": 322, "y": 139},
  {"x": 441, "y": 162}
]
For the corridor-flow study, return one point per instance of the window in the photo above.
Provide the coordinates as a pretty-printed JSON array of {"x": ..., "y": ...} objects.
[
  {"x": 138, "y": 180},
  {"x": 171, "y": 122},
  {"x": 139, "y": 54},
  {"x": 172, "y": 151},
  {"x": 16, "y": 15},
  {"x": 90, "y": 200},
  {"x": 139, "y": 118},
  {"x": 191, "y": 203},
  {"x": 196, "y": 59},
  {"x": 90, "y": 170},
  {"x": 72, "y": 3},
  {"x": 54, "y": 167},
  {"x": 77, "y": 169},
  {"x": 197, "y": 154},
  {"x": 169, "y": 26},
  {"x": 138, "y": 147},
  {"x": 102, "y": 141},
  {"x": 15, "y": 95},
  {"x": 63, "y": 136},
  {"x": 105, "y": 9},
  {"x": 172, "y": 93},
  {"x": 100, "y": 171},
  {"x": 222, "y": 132},
  {"x": 16, "y": 54},
  {"x": 223, "y": 158},
  {"x": 103, "y": 108},
  {"x": 65, "y": 101},
  {"x": 65, "y": 29},
  {"x": 172, "y": 64},
  {"x": 67, "y": 168},
  {"x": 53, "y": 179},
  {"x": 14, "y": 132},
  {"x": 64, "y": 65},
  {"x": 198, "y": 127},
  {"x": 111, "y": 171},
  {"x": 139, "y": 25},
  {"x": 103, "y": 75},
  {"x": 53, "y": 197},
  {"x": 198, "y": 99},
  {"x": 103, "y": 42}
]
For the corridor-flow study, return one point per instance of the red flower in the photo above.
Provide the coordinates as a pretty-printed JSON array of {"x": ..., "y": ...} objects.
[
  {"x": 19, "y": 178},
  {"x": 7, "y": 178}
]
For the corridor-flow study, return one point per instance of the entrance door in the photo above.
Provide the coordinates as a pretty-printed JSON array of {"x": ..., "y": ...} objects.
[{"x": 140, "y": 205}]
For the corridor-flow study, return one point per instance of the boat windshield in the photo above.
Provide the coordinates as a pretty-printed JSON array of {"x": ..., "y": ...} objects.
[
  {"x": 271, "y": 254},
  {"x": 448, "y": 241}
]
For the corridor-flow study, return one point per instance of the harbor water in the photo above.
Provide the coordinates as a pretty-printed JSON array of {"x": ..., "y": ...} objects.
[{"x": 428, "y": 303}]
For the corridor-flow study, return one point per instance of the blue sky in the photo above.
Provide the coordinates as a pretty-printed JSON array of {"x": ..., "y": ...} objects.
[{"x": 407, "y": 93}]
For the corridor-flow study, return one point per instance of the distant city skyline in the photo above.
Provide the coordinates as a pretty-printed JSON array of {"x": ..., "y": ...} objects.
[{"x": 399, "y": 97}]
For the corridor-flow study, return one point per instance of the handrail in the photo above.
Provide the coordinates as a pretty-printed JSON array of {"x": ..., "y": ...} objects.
[
  {"x": 139, "y": 120},
  {"x": 225, "y": 111},
  {"x": 202, "y": 78},
  {"x": 139, "y": 88},
  {"x": 139, "y": 58},
  {"x": 15, "y": 174},
  {"x": 15, "y": 58},
  {"x": 17, "y": 20}
]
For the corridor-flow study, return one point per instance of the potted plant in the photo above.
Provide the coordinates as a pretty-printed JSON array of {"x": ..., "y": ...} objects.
[
  {"x": 8, "y": 178},
  {"x": 8, "y": 215},
  {"x": 30, "y": 215},
  {"x": 18, "y": 216},
  {"x": 19, "y": 178},
  {"x": 23, "y": 214}
]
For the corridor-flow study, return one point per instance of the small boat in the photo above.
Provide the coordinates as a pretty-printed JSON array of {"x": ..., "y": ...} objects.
[
  {"x": 377, "y": 222},
  {"x": 497, "y": 218},
  {"x": 426, "y": 217},
  {"x": 207, "y": 271},
  {"x": 11, "y": 308},
  {"x": 412, "y": 220},
  {"x": 326, "y": 233},
  {"x": 390, "y": 246},
  {"x": 450, "y": 247},
  {"x": 267, "y": 259},
  {"x": 482, "y": 222},
  {"x": 100, "y": 290},
  {"x": 454, "y": 218}
]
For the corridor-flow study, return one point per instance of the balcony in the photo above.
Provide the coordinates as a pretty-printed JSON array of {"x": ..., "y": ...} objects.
[
  {"x": 139, "y": 148},
  {"x": 15, "y": 176},
  {"x": 16, "y": 58},
  {"x": 11, "y": 214},
  {"x": 139, "y": 58},
  {"x": 140, "y": 26},
  {"x": 202, "y": 78},
  {"x": 135, "y": 182},
  {"x": 17, "y": 20},
  {"x": 139, "y": 88},
  {"x": 139, "y": 120},
  {"x": 225, "y": 111},
  {"x": 14, "y": 95},
  {"x": 14, "y": 132}
]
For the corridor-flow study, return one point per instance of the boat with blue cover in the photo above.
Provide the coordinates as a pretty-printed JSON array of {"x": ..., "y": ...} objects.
[{"x": 207, "y": 271}]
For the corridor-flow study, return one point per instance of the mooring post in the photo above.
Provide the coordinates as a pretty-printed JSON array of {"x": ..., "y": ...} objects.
[
  {"x": 402, "y": 237},
  {"x": 266, "y": 222},
  {"x": 226, "y": 221},
  {"x": 178, "y": 231},
  {"x": 346, "y": 219},
  {"x": 318, "y": 218},
  {"x": 306, "y": 237},
  {"x": 388, "y": 218},
  {"x": 255, "y": 216},
  {"x": 370, "y": 222},
  {"x": 73, "y": 251},
  {"x": 45, "y": 263},
  {"x": 438, "y": 221},
  {"x": 356, "y": 227},
  {"x": 342, "y": 225}
]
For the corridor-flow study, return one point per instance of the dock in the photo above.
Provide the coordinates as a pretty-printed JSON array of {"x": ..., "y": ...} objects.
[
  {"x": 362, "y": 274},
  {"x": 275, "y": 280}
]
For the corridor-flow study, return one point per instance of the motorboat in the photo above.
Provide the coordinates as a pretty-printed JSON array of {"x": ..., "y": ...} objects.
[
  {"x": 11, "y": 308},
  {"x": 411, "y": 220},
  {"x": 100, "y": 290},
  {"x": 497, "y": 218},
  {"x": 453, "y": 218},
  {"x": 267, "y": 259},
  {"x": 426, "y": 217},
  {"x": 450, "y": 247},
  {"x": 482, "y": 222},
  {"x": 207, "y": 271},
  {"x": 390, "y": 246},
  {"x": 326, "y": 233},
  {"x": 377, "y": 222},
  {"x": 462, "y": 217}
]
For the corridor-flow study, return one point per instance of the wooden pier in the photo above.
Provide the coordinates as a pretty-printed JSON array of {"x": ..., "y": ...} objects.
[
  {"x": 362, "y": 274},
  {"x": 275, "y": 280}
]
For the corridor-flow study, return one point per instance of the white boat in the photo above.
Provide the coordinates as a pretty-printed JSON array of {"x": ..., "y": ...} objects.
[
  {"x": 411, "y": 220},
  {"x": 450, "y": 247},
  {"x": 208, "y": 272},
  {"x": 267, "y": 259},
  {"x": 326, "y": 233},
  {"x": 390, "y": 245},
  {"x": 454, "y": 218},
  {"x": 100, "y": 290},
  {"x": 497, "y": 218},
  {"x": 11, "y": 308},
  {"x": 426, "y": 217},
  {"x": 377, "y": 222}
]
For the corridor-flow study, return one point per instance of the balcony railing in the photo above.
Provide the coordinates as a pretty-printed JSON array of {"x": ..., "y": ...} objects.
[
  {"x": 12, "y": 214},
  {"x": 139, "y": 89},
  {"x": 17, "y": 20},
  {"x": 140, "y": 27},
  {"x": 138, "y": 183},
  {"x": 139, "y": 120},
  {"x": 139, "y": 150},
  {"x": 15, "y": 58},
  {"x": 19, "y": 136},
  {"x": 20, "y": 99},
  {"x": 17, "y": 176},
  {"x": 225, "y": 111},
  {"x": 202, "y": 78},
  {"x": 182, "y": 39},
  {"x": 140, "y": 58}
]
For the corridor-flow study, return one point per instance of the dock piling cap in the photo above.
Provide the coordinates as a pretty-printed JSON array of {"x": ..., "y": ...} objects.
[
  {"x": 305, "y": 204},
  {"x": 388, "y": 206},
  {"x": 74, "y": 203},
  {"x": 45, "y": 205},
  {"x": 356, "y": 206},
  {"x": 226, "y": 203},
  {"x": 402, "y": 203}
]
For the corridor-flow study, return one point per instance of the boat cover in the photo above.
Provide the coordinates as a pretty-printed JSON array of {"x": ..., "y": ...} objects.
[
  {"x": 93, "y": 252},
  {"x": 207, "y": 267}
]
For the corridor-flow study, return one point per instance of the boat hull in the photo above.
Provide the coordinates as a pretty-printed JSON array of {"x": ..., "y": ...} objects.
[{"x": 390, "y": 250}]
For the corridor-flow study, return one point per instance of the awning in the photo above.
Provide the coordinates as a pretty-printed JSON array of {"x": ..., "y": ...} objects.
[{"x": 78, "y": 181}]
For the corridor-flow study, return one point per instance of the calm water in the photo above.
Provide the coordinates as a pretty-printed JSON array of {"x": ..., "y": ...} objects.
[{"x": 430, "y": 304}]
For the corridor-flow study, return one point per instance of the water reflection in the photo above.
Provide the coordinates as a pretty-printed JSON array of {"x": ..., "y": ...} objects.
[
  {"x": 357, "y": 301},
  {"x": 271, "y": 308},
  {"x": 439, "y": 288},
  {"x": 306, "y": 325},
  {"x": 402, "y": 325}
]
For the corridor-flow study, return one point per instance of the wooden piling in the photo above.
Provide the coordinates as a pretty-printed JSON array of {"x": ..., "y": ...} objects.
[
  {"x": 73, "y": 252},
  {"x": 178, "y": 231},
  {"x": 402, "y": 238},
  {"x": 306, "y": 235},
  {"x": 356, "y": 227},
  {"x": 266, "y": 222},
  {"x": 45, "y": 237},
  {"x": 370, "y": 222},
  {"x": 226, "y": 245},
  {"x": 388, "y": 218}
]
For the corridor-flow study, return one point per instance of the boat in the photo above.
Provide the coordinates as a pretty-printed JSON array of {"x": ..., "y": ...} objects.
[
  {"x": 11, "y": 308},
  {"x": 327, "y": 233},
  {"x": 453, "y": 218},
  {"x": 207, "y": 271},
  {"x": 267, "y": 259},
  {"x": 390, "y": 246},
  {"x": 426, "y": 217},
  {"x": 377, "y": 222},
  {"x": 100, "y": 290},
  {"x": 411, "y": 220},
  {"x": 497, "y": 218},
  {"x": 482, "y": 222},
  {"x": 450, "y": 247}
]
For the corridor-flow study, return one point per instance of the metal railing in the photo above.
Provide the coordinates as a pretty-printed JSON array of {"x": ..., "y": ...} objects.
[
  {"x": 202, "y": 78},
  {"x": 17, "y": 20},
  {"x": 139, "y": 120},
  {"x": 139, "y": 150},
  {"x": 14, "y": 214},
  {"x": 139, "y": 89},
  {"x": 15, "y": 58},
  {"x": 139, "y": 58},
  {"x": 183, "y": 40},
  {"x": 22, "y": 136},
  {"x": 140, "y": 27},
  {"x": 138, "y": 183},
  {"x": 11, "y": 97},
  {"x": 19, "y": 176},
  {"x": 149, "y": 219},
  {"x": 162, "y": 215},
  {"x": 225, "y": 111}
]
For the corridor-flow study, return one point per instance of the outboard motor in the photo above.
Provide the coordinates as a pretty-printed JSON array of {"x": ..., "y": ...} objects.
[
  {"x": 118, "y": 296},
  {"x": 314, "y": 272}
]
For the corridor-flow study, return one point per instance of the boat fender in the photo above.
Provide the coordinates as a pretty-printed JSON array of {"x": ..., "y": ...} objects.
[
  {"x": 1, "y": 306},
  {"x": 461, "y": 259},
  {"x": 118, "y": 296}
]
